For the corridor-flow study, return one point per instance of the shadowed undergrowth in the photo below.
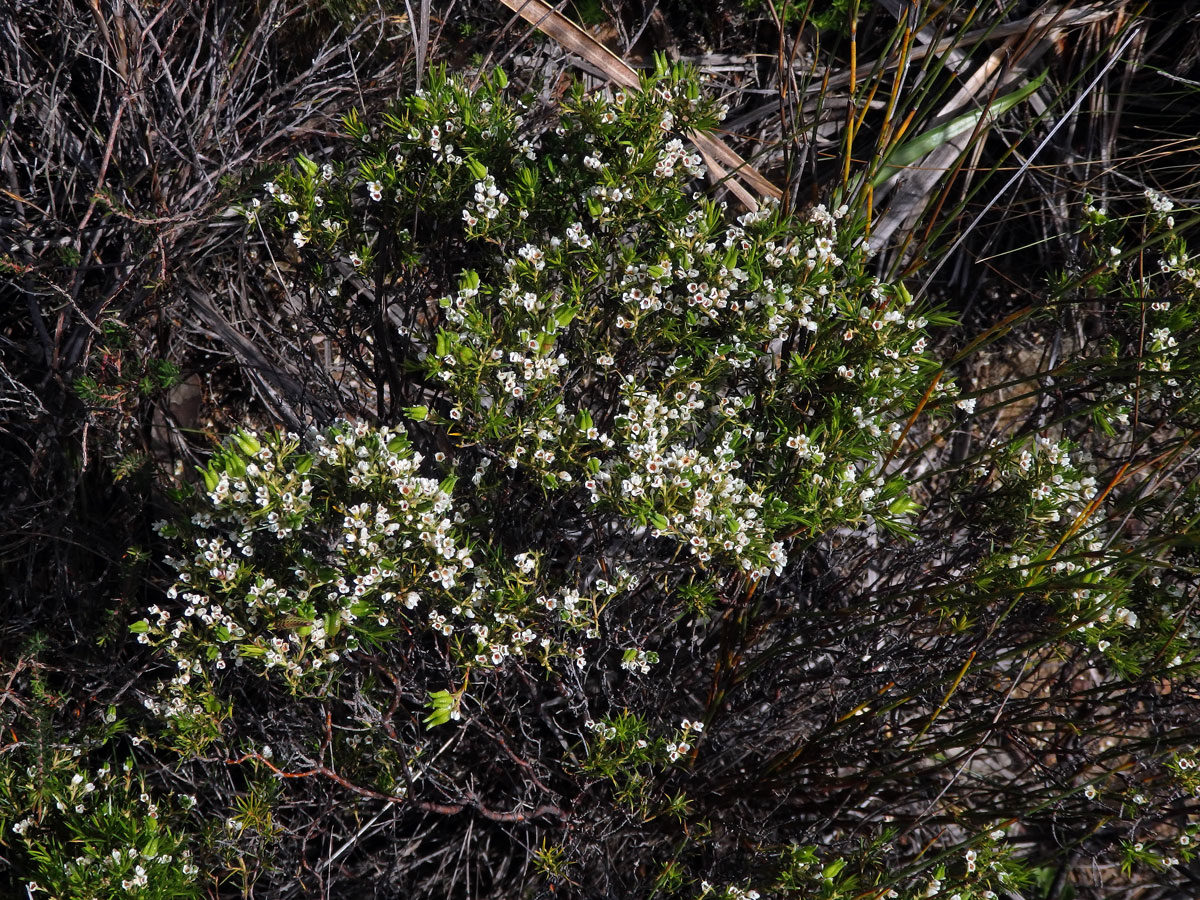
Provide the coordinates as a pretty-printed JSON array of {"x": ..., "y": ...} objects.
[{"x": 465, "y": 491}]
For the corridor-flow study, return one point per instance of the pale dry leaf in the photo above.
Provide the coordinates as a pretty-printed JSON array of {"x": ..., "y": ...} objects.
[{"x": 717, "y": 155}]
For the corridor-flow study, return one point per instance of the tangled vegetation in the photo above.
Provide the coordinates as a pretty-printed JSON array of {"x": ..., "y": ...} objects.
[{"x": 480, "y": 503}]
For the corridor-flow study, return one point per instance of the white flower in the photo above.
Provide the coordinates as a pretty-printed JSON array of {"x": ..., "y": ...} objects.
[{"x": 800, "y": 443}]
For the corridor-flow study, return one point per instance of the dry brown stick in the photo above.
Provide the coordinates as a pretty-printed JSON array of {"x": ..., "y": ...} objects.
[
  {"x": 280, "y": 387},
  {"x": 575, "y": 40},
  {"x": 420, "y": 32},
  {"x": 471, "y": 801},
  {"x": 108, "y": 151}
]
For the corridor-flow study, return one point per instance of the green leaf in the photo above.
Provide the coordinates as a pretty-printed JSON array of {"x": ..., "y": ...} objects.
[
  {"x": 437, "y": 717},
  {"x": 831, "y": 871},
  {"x": 477, "y": 169},
  {"x": 248, "y": 443},
  {"x": 911, "y": 151},
  {"x": 235, "y": 464},
  {"x": 354, "y": 125},
  {"x": 417, "y": 413},
  {"x": 440, "y": 704},
  {"x": 140, "y": 627}
]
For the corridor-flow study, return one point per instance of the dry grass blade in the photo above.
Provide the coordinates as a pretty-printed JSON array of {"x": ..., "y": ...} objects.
[
  {"x": 720, "y": 152},
  {"x": 420, "y": 32},
  {"x": 571, "y": 37},
  {"x": 1060, "y": 18},
  {"x": 916, "y": 186},
  {"x": 1008, "y": 65},
  {"x": 554, "y": 24},
  {"x": 1113, "y": 59}
]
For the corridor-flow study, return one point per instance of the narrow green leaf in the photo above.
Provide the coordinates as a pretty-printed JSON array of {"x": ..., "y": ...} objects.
[{"x": 924, "y": 144}]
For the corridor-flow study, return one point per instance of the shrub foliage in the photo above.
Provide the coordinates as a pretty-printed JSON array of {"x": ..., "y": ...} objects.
[{"x": 669, "y": 552}]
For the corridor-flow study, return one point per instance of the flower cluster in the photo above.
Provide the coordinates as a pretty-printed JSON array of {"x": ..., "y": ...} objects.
[
  {"x": 680, "y": 486},
  {"x": 626, "y": 375},
  {"x": 311, "y": 549},
  {"x": 96, "y": 832},
  {"x": 624, "y": 745},
  {"x": 709, "y": 323},
  {"x": 1053, "y": 479}
]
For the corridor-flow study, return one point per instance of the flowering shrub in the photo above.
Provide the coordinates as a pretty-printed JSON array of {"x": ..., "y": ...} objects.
[
  {"x": 366, "y": 550},
  {"x": 90, "y": 826},
  {"x": 630, "y": 521},
  {"x": 723, "y": 384}
]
